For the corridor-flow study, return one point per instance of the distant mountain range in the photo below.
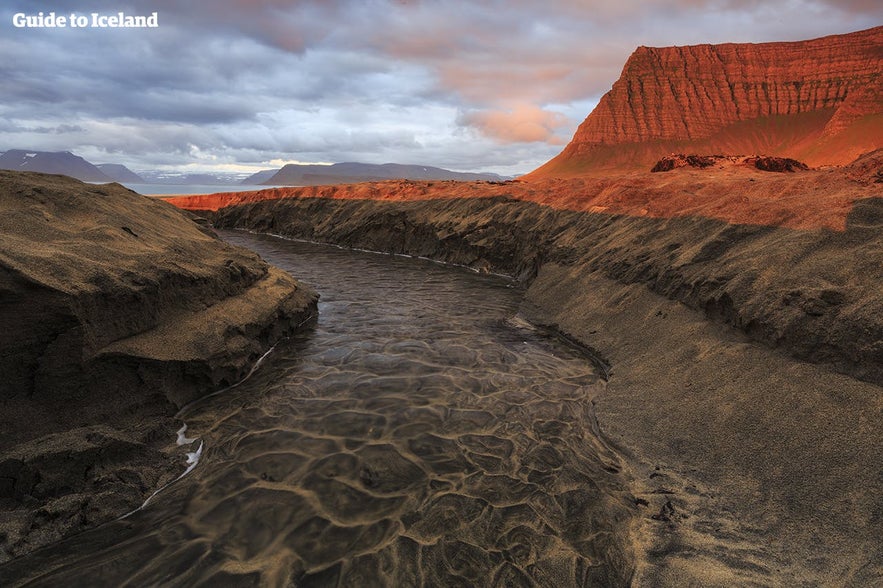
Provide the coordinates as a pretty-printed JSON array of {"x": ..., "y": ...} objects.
[
  {"x": 351, "y": 172},
  {"x": 259, "y": 177},
  {"x": 66, "y": 163},
  {"x": 60, "y": 162},
  {"x": 120, "y": 173}
]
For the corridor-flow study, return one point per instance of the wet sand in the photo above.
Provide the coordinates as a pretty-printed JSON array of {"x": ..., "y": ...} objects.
[{"x": 421, "y": 434}]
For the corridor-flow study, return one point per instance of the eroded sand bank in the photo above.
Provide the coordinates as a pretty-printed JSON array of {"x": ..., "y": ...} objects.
[
  {"x": 746, "y": 365},
  {"x": 116, "y": 310}
]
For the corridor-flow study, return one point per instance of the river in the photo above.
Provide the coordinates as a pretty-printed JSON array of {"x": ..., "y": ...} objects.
[{"x": 420, "y": 433}]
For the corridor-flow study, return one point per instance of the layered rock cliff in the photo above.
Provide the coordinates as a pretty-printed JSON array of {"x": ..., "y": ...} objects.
[{"x": 819, "y": 101}]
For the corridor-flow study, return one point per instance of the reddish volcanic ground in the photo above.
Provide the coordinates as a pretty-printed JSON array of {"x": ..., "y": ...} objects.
[{"x": 728, "y": 191}]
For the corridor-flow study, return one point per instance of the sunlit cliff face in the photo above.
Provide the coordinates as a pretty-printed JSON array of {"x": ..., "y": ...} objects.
[{"x": 820, "y": 101}]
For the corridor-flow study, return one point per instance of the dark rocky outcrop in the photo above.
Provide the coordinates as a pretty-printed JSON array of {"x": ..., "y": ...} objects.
[
  {"x": 670, "y": 162},
  {"x": 115, "y": 310},
  {"x": 778, "y": 164},
  {"x": 761, "y": 162}
]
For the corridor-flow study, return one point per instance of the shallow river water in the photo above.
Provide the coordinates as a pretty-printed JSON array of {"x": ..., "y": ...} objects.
[{"x": 419, "y": 433}]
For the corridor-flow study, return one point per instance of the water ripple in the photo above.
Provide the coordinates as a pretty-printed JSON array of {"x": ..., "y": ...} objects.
[{"x": 419, "y": 434}]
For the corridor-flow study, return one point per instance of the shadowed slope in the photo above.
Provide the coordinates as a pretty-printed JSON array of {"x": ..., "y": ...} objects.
[{"x": 115, "y": 310}]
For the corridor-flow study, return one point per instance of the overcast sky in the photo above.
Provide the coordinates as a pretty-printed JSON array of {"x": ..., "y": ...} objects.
[{"x": 484, "y": 85}]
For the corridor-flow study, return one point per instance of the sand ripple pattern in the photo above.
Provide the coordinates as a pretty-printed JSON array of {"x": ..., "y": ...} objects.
[{"x": 418, "y": 436}]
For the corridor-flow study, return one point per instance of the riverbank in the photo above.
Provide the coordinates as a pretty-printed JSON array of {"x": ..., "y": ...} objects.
[
  {"x": 117, "y": 309},
  {"x": 418, "y": 433},
  {"x": 746, "y": 362}
]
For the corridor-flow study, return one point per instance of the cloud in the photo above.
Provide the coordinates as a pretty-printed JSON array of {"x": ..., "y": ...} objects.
[
  {"x": 481, "y": 84},
  {"x": 521, "y": 124}
]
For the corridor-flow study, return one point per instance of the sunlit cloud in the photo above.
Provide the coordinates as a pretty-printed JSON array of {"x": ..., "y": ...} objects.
[{"x": 521, "y": 124}]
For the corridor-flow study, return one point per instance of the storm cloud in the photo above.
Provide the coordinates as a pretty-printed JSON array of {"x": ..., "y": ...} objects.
[{"x": 235, "y": 84}]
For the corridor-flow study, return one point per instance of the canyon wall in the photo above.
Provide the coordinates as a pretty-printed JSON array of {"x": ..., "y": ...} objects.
[
  {"x": 797, "y": 291},
  {"x": 820, "y": 101},
  {"x": 107, "y": 293}
]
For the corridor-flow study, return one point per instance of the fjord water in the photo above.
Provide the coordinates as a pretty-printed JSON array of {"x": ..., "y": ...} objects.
[
  {"x": 168, "y": 189},
  {"x": 418, "y": 434}
]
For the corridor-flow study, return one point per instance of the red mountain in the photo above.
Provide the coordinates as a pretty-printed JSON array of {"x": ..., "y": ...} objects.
[{"x": 819, "y": 101}]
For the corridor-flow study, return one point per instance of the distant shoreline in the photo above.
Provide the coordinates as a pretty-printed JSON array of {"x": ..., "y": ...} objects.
[{"x": 187, "y": 189}]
